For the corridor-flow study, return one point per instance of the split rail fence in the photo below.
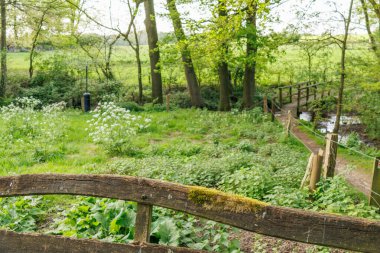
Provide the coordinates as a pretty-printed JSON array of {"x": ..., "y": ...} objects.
[{"x": 244, "y": 213}]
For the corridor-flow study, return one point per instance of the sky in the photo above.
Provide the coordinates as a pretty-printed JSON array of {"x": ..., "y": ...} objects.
[{"x": 101, "y": 9}]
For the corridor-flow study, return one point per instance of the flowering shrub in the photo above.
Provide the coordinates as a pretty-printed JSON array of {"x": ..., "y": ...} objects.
[
  {"x": 113, "y": 127},
  {"x": 33, "y": 129}
]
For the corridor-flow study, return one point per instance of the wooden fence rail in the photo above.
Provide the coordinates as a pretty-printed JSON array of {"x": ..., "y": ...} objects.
[{"x": 244, "y": 213}]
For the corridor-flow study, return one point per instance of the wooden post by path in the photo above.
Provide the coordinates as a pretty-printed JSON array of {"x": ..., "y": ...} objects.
[
  {"x": 306, "y": 178},
  {"x": 316, "y": 170},
  {"x": 298, "y": 101},
  {"x": 289, "y": 123},
  {"x": 143, "y": 223},
  {"x": 374, "y": 198},
  {"x": 168, "y": 102},
  {"x": 307, "y": 96},
  {"x": 315, "y": 92},
  {"x": 265, "y": 106},
  {"x": 280, "y": 96},
  {"x": 273, "y": 109},
  {"x": 329, "y": 162},
  {"x": 291, "y": 94}
]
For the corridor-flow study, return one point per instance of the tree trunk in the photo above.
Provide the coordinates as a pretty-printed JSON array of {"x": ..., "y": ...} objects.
[
  {"x": 368, "y": 27},
  {"x": 191, "y": 77},
  {"x": 343, "y": 70},
  {"x": 376, "y": 7},
  {"x": 223, "y": 72},
  {"x": 154, "y": 53},
  {"x": 3, "y": 46},
  {"x": 139, "y": 66},
  {"x": 34, "y": 44},
  {"x": 249, "y": 86}
]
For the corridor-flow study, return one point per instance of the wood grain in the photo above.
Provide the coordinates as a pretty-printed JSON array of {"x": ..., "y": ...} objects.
[
  {"x": 292, "y": 224},
  {"x": 11, "y": 242}
]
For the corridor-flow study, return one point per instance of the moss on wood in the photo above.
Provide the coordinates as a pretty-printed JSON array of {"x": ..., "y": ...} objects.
[{"x": 216, "y": 200}]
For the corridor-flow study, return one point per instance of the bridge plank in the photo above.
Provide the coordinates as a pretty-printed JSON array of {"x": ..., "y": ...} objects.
[
  {"x": 11, "y": 242},
  {"x": 248, "y": 214}
]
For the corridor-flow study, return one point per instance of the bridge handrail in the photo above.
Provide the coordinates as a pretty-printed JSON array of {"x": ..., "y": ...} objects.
[{"x": 244, "y": 213}]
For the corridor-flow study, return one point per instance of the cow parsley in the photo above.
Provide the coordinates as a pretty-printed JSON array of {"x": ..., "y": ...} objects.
[{"x": 113, "y": 127}]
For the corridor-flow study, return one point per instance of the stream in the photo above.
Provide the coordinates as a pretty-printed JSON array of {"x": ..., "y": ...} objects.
[{"x": 348, "y": 124}]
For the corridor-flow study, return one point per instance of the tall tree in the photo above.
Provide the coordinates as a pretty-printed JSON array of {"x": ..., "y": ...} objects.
[
  {"x": 343, "y": 46},
  {"x": 371, "y": 35},
  {"x": 3, "y": 47},
  {"x": 191, "y": 77},
  {"x": 154, "y": 51},
  {"x": 223, "y": 71},
  {"x": 249, "y": 83}
]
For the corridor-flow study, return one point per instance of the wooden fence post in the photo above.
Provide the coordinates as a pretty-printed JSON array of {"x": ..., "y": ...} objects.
[
  {"x": 168, "y": 102},
  {"x": 273, "y": 109},
  {"x": 143, "y": 223},
  {"x": 307, "y": 96},
  {"x": 316, "y": 170},
  {"x": 306, "y": 178},
  {"x": 374, "y": 198},
  {"x": 265, "y": 106},
  {"x": 329, "y": 162},
  {"x": 291, "y": 94},
  {"x": 298, "y": 101},
  {"x": 315, "y": 92},
  {"x": 280, "y": 96},
  {"x": 289, "y": 123}
]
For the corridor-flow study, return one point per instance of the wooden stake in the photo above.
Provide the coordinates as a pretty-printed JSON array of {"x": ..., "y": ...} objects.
[
  {"x": 265, "y": 107},
  {"x": 306, "y": 178},
  {"x": 298, "y": 101},
  {"x": 374, "y": 198},
  {"x": 289, "y": 123},
  {"x": 329, "y": 162},
  {"x": 316, "y": 170},
  {"x": 143, "y": 222}
]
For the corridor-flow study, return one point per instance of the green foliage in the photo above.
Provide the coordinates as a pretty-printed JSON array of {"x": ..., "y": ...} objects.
[
  {"x": 22, "y": 214},
  {"x": 55, "y": 81},
  {"x": 109, "y": 220}
]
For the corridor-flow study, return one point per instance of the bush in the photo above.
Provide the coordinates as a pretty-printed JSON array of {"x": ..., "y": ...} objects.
[{"x": 113, "y": 127}]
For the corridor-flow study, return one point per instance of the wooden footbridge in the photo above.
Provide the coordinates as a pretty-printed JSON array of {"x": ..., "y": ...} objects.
[
  {"x": 244, "y": 213},
  {"x": 297, "y": 97}
]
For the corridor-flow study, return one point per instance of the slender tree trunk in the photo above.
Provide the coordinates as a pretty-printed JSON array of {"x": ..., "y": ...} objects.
[
  {"x": 191, "y": 77},
  {"x": 368, "y": 27},
  {"x": 223, "y": 72},
  {"x": 139, "y": 66},
  {"x": 154, "y": 52},
  {"x": 343, "y": 70},
  {"x": 34, "y": 44},
  {"x": 3, "y": 79},
  {"x": 249, "y": 85}
]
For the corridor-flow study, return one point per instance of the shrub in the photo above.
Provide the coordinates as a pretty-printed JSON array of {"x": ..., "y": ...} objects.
[{"x": 113, "y": 127}]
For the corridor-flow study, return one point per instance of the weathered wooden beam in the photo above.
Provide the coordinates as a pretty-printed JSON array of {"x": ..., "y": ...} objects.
[
  {"x": 143, "y": 222},
  {"x": 374, "y": 198},
  {"x": 316, "y": 170},
  {"x": 265, "y": 104},
  {"x": 244, "y": 213},
  {"x": 306, "y": 177},
  {"x": 11, "y": 242},
  {"x": 329, "y": 162},
  {"x": 298, "y": 102}
]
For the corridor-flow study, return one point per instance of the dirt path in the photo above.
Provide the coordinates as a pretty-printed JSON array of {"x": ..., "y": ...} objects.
[{"x": 361, "y": 181}]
